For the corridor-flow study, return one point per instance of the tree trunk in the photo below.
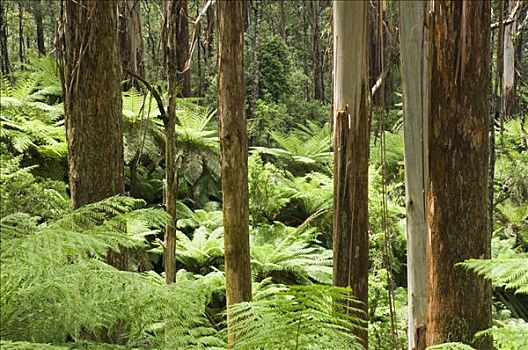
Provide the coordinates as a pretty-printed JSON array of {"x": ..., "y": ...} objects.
[
  {"x": 414, "y": 72},
  {"x": 508, "y": 77},
  {"x": 92, "y": 104},
  {"x": 233, "y": 153},
  {"x": 131, "y": 41},
  {"x": 21, "y": 56},
  {"x": 351, "y": 145},
  {"x": 256, "y": 48},
  {"x": 182, "y": 50},
  {"x": 6, "y": 69},
  {"x": 459, "y": 303},
  {"x": 171, "y": 181},
  {"x": 283, "y": 20},
  {"x": 317, "y": 53},
  {"x": 40, "y": 28}
]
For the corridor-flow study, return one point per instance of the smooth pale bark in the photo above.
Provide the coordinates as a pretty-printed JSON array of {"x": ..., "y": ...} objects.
[
  {"x": 508, "y": 73},
  {"x": 171, "y": 181},
  {"x": 131, "y": 41},
  {"x": 415, "y": 73},
  {"x": 233, "y": 153},
  {"x": 92, "y": 105},
  {"x": 459, "y": 302},
  {"x": 351, "y": 144}
]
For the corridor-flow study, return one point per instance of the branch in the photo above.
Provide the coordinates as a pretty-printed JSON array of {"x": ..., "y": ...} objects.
[
  {"x": 196, "y": 33},
  {"x": 155, "y": 93}
]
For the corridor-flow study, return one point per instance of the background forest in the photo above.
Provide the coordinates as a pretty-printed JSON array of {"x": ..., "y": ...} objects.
[{"x": 90, "y": 271}]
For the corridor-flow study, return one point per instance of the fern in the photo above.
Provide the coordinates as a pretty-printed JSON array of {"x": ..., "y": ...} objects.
[
  {"x": 510, "y": 272},
  {"x": 510, "y": 335},
  {"x": 55, "y": 285},
  {"x": 451, "y": 346},
  {"x": 298, "y": 317}
]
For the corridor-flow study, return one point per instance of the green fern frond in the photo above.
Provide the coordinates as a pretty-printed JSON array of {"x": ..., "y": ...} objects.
[
  {"x": 510, "y": 272},
  {"x": 451, "y": 346},
  {"x": 298, "y": 317}
]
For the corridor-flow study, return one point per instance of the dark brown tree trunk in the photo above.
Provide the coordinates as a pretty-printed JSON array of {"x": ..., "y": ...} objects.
[
  {"x": 256, "y": 48},
  {"x": 92, "y": 104},
  {"x": 351, "y": 145},
  {"x": 21, "y": 55},
  {"x": 40, "y": 28},
  {"x": 171, "y": 181},
  {"x": 459, "y": 302},
  {"x": 233, "y": 153},
  {"x": 317, "y": 53},
  {"x": 182, "y": 50},
  {"x": 6, "y": 69},
  {"x": 131, "y": 47}
]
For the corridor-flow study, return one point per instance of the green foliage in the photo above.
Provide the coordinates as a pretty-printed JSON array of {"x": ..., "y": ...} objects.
[
  {"x": 451, "y": 346},
  {"x": 56, "y": 286},
  {"x": 510, "y": 335},
  {"x": 289, "y": 256},
  {"x": 275, "y": 68},
  {"x": 508, "y": 272},
  {"x": 298, "y": 317},
  {"x": 21, "y": 191},
  {"x": 267, "y": 191}
]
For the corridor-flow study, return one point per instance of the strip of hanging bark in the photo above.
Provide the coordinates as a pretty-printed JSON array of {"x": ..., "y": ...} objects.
[
  {"x": 196, "y": 33},
  {"x": 383, "y": 76},
  {"x": 510, "y": 19}
]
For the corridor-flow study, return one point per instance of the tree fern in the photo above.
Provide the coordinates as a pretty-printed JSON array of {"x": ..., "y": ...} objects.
[{"x": 298, "y": 317}]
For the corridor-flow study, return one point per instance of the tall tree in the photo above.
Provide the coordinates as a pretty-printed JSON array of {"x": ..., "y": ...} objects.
[
  {"x": 315, "y": 8},
  {"x": 37, "y": 15},
  {"x": 21, "y": 55},
  {"x": 233, "y": 153},
  {"x": 256, "y": 48},
  {"x": 3, "y": 43},
  {"x": 131, "y": 45},
  {"x": 351, "y": 145},
  {"x": 92, "y": 94},
  {"x": 459, "y": 303},
  {"x": 92, "y": 104},
  {"x": 414, "y": 71},
  {"x": 171, "y": 181},
  {"x": 182, "y": 50}
]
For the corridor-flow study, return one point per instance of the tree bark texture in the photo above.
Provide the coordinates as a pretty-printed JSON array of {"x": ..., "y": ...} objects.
[
  {"x": 416, "y": 92},
  {"x": 21, "y": 55},
  {"x": 182, "y": 51},
  {"x": 171, "y": 181},
  {"x": 93, "y": 105},
  {"x": 317, "y": 53},
  {"x": 256, "y": 49},
  {"x": 93, "y": 112},
  {"x": 508, "y": 75},
  {"x": 6, "y": 69},
  {"x": 233, "y": 153},
  {"x": 459, "y": 303},
  {"x": 351, "y": 144},
  {"x": 131, "y": 41},
  {"x": 40, "y": 28}
]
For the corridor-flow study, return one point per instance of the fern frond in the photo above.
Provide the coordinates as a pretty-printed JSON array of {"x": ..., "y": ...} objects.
[
  {"x": 510, "y": 272},
  {"x": 298, "y": 317}
]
